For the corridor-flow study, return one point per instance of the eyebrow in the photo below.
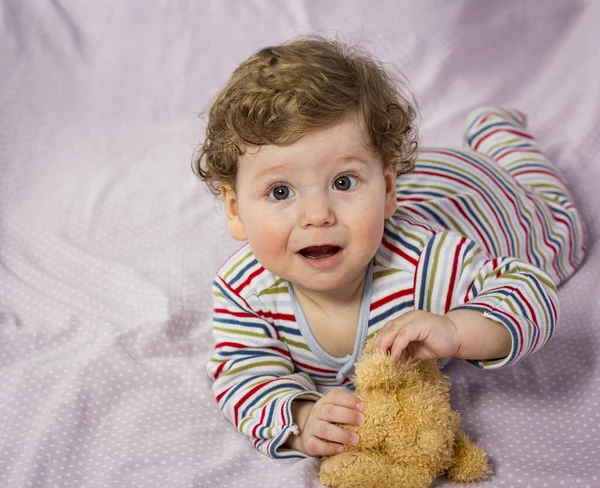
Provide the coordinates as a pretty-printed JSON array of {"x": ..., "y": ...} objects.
[
  {"x": 273, "y": 169},
  {"x": 287, "y": 166}
]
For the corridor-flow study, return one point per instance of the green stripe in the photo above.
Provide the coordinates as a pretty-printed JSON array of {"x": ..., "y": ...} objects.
[
  {"x": 252, "y": 365},
  {"x": 299, "y": 345},
  {"x": 386, "y": 272},
  {"x": 237, "y": 264},
  {"x": 486, "y": 189},
  {"x": 275, "y": 291},
  {"x": 408, "y": 235},
  {"x": 503, "y": 143},
  {"x": 238, "y": 332},
  {"x": 434, "y": 187},
  {"x": 434, "y": 268},
  {"x": 265, "y": 401}
]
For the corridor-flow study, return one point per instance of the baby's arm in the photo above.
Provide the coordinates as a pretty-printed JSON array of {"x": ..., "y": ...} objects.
[
  {"x": 492, "y": 311},
  {"x": 260, "y": 393},
  {"x": 515, "y": 294}
]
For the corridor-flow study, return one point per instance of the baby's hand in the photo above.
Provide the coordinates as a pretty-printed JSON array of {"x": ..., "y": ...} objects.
[
  {"x": 419, "y": 334},
  {"x": 319, "y": 436}
]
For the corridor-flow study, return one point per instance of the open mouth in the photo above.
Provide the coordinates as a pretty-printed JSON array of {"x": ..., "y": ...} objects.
[{"x": 319, "y": 252}]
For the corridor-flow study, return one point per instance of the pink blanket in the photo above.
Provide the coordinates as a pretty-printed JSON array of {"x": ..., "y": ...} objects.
[{"x": 108, "y": 244}]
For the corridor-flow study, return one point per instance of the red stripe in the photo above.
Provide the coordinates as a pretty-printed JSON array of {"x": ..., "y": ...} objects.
[
  {"x": 389, "y": 298},
  {"x": 462, "y": 212},
  {"x": 399, "y": 252},
  {"x": 234, "y": 313},
  {"x": 220, "y": 395},
  {"x": 571, "y": 241},
  {"x": 528, "y": 171},
  {"x": 218, "y": 371},
  {"x": 276, "y": 316},
  {"x": 484, "y": 196},
  {"x": 509, "y": 197},
  {"x": 411, "y": 199},
  {"x": 501, "y": 129},
  {"x": 248, "y": 394},
  {"x": 282, "y": 411},
  {"x": 313, "y": 368},
  {"x": 548, "y": 244},
  {"x": 262, "y": 418},
  {"x": 416, "y": 224},
  {"x": 534, "y": 320},
  {"x": 237, "y": 295},
  {"x": 249, "y": 279},
  {"x": 453, "y": 275},
  {"x": 509, "y": 151}
]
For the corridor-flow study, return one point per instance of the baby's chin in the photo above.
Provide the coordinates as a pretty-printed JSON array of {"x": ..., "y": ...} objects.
[{"x": 338, "y": 284}]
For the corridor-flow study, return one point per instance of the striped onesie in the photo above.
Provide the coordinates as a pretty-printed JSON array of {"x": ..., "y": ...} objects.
[{"x": 488, "y": 228}]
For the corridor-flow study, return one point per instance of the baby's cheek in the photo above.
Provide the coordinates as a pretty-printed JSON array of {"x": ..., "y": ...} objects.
[
  {"x": 369, "y": 225},
  {"x": 269, "y": 246}
]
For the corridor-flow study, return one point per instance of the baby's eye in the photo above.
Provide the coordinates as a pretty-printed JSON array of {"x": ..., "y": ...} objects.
[
  {"x": 344, "y": 183},
  {"x": 281, "y": 193}
]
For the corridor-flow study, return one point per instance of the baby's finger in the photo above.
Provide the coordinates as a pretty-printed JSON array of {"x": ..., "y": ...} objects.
[
  {"x": 334, "y": 433},
  {"x": 319, "y": 447},
  {"x": 411, "y": 332},
  {"x": 340, "y": 415},
  {"x": 386, "y": 336},
  {"x": 343, "y": 398}
]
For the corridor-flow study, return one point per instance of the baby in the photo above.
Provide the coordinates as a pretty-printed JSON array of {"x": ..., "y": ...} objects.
[{"x": 352, "y": 233}]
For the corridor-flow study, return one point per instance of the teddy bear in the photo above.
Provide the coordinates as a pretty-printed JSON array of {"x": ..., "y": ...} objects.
[{"x": 410, "y": 434}]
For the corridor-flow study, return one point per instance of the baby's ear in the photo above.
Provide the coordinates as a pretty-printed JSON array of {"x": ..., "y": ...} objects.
[
  {"x": 234, "y": 221},
  {"x": 390, "y": 174}
]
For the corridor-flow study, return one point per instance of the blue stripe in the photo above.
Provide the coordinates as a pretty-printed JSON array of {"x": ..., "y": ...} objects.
[
  {"x": 250, "y": 353},
  {"x": 505, "y": 321},
  {"x": 403, "y": 242},
  {"x": 474, "y": 121},
  {"x": 289, "y": 330},
  {"x": 263, "y": 327},
  {"x": 499, "y": 211},
  {"x": 393, "y": 310},
  {"x": 551, "y": 239},
  {"x": 547, "y": 304},
  {"x": 433, "y": 215},
  {"x": 510, "y": 146},
  {"x": 502, "y": 123},
  {"x": 419, "y": 192},
  {"x": 572, "y": 228},
  {"x": 264, "y": 392},
  {"x": 234, "y": 389},
  {"x": 269, "y": 419},
  {"x": 232, "y": 281},
  {"x": 425, "y": 277},
  {"x": 277, "y": 441}
]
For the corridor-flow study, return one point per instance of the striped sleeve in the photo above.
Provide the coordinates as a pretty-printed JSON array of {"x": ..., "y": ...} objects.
[
  {"x": 253, "y": 374},
  {"x": 455, "y": 273}
]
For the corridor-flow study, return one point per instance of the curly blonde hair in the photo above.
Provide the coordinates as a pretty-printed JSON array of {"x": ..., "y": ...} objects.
[{"x": 284, "y": 92}]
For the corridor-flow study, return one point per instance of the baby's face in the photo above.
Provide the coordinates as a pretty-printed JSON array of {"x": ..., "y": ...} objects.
[{"x": 313, "y": 212}]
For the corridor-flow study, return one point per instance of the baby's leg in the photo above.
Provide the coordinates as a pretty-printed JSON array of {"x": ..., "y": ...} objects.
[
  {"x": 556, "y": 231},
  {"x": 505, "y": 195}
]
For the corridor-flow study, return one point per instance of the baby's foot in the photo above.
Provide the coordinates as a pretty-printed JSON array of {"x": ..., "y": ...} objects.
[{"x": 481, "y": 115}]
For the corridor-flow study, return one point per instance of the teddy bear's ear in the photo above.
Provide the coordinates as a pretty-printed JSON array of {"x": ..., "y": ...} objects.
[{"x": 376, "y": 370}]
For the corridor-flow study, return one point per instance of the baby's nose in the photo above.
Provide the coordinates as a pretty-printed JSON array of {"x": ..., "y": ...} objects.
[{"x": 317, "y": 211}]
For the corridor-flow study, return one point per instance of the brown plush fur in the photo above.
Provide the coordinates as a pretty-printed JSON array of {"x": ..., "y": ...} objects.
[{"x": 410, "y": 434}]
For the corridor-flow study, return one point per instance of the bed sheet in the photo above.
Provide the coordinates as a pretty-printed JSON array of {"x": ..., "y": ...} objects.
[{"x": 108, "y": 244}]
